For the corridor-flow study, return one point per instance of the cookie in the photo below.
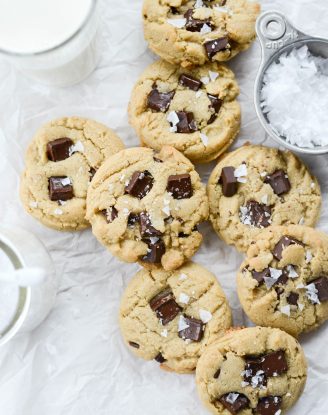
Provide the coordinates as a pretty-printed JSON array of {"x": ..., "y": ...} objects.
[
  {"x": 60, "y": 162},
  {"x": 258, "y": 370},
  {"x": 171, "y": 316},
  {"x": 255, "y": 187},
  {"x": 193, "y": 32},
  {"x": 194, "y": 111},
  {"x": 145, "y": 206},
  {"x": 283, "y": 282}
]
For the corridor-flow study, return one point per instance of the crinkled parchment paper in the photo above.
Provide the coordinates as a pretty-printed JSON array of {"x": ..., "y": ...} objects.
[{"x": 76, "y": 362}]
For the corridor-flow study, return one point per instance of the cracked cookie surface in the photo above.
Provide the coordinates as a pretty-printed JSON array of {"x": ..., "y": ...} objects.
[
  {"x": 254, "y": 187},
  {"x": 60, "y": 162},
  {"x": 250, "y": 371},
  {"x": 193, "y": 32},
  {"x": 165, "y": 93},
  {"x": 157, "y": 327},
  {"x": 145, "y": 206},
  {"x": 283, "y": 282}
]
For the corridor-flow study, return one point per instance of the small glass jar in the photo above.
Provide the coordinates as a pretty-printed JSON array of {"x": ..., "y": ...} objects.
[{"x": 21, "y": 249}]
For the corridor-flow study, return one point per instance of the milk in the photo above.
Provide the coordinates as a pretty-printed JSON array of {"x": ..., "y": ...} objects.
[
  {"x": 52, "y": 41},
  {"x": 9, "y": 296}
]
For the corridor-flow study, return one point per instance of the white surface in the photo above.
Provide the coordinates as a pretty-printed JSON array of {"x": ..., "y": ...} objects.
[
  {"x": 76, "y": 363},
  {"x": 28, "y": 26}
]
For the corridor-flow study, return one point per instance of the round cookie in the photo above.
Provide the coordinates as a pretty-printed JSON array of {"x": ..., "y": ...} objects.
[
  {"x": 193, "y": 32},
  {"x": 258, "y": 370},
  {"x": 145, "y": 206},
  {"x": 172, "y": 316},
  {"x": 255, "y": 187},
  {"x": 283, "y": 282},
  {"x": 60, "y": 162},
  {"x": 194, "y": 110}
]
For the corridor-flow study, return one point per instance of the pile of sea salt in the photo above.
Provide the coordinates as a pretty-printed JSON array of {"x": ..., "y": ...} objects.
[{"x": 295, "y": 98}]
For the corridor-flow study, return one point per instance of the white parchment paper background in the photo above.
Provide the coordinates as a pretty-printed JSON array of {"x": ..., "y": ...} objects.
[{"x": 76, "y": 363}]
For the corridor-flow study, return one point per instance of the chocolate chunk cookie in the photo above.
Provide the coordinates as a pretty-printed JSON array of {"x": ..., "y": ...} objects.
[
  {"x": 194, "y": 110},
  {"x": 171, "y": 316},
  {"x": 258, "y": 370},
  {"x": 193, "y": 32},
  {"x": 255, "y": 187},
  {"x": 145, "y": 206},
  {"x": 60, "y": 163},
  {"x": 284, "y": 280}
]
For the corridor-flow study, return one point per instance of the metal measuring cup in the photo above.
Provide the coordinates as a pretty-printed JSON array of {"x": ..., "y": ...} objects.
[{"x": 277, "y": 36}]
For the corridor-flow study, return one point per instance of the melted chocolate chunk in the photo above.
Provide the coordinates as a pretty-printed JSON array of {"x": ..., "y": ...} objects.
[
  {"x": 228, "y": 181},
  {"x": 155, "y": 252},
  {"x": 217, "y": 374},
  {"x": 186, "y": 124},
  {"x": 321, "y": 284},
  {"x": 58, "y": 150},
  {"x": 259, "y": 276},
  {"x": 234, "y": 404},
  {"x": 259, "y": 214},
  {"x": 190, "y": 82},
  {"x": 140, "y": 184},
  {"x": 133, "y": 219},
  {"x": 165, "y": 306},
  {"x": 159, "y": 358},
  {"x": 268, "y": 405},
  {"x": 275, "y": 363},
  {"x": 110, "y": 214},
  {"x": 195, "y": 25},
  {"x": 194, "y": 332},
  {"x": 212, "y": 47},
  {"x": 180, "y": 186},
  {"x": 279, "y": 182},
  {"x": 159, "y": 101},
  {"x": 134, "y": 345},
  {"x": 283, "y": 243},
  {"x": 60, "y": 188},
  {"x": 292, "y": 299},
  {"x": 146, "y": 227}
]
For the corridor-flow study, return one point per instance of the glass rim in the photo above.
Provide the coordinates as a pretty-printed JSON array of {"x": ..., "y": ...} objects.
[{"x": 60, "y": 45}]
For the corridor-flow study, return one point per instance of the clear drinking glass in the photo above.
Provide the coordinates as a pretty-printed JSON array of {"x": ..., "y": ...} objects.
[{"x": 67, "y": 63}]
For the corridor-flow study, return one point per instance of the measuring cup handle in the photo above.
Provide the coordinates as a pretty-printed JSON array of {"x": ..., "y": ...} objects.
[{"x": 274, "y": 32}]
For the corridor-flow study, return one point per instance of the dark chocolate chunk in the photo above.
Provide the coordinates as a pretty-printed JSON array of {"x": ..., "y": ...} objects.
[
  {"x": 92, "y": 173},
  {"x": 275, "y": 363},
  {"x": 217, "y": 374},
  {"x": 234, "y": 404},
  {"x": 194, "y": 332},
  {"x": 155, "y": 252},
  {"x": 165, "y": 306},
  {"x": 159, "y": 101},
  {"x": 60, "y": 188},
  {"x": 190, "y": 82},
  {"x": 283, "y": 279},
  {"x": 134, "y": 345},
  {"x": 140, "y": 184},
  {"x": 321, "y": 284},
  {"x": 292, "y": 299},
  {"x": 58, "y": 150},
  {"x": 175, "y": 10},
  {"x": 157, "y": 160},
  {"x": 228, "y": 181},
  {"x": 180, "y": 186},
  {"x": 268, "y": 405},
  {"x": 279, "y": 291},
  {"x": 133, "y": 219},
  {"x": 146, "y": 227},
  {"x": 259, "y": 276},
  {"x": 159, "y": 358},
  {"x": 254, "y": 373},
  {"x": 110, "y": 214},
  {"x": 279, "y": 182},
  {"x": 283, "y": 243},
  {"x": 216, "y": 102},
  {"x": 217, "y": 45},
  {"x": 195, "y": 25},
  {"x": 258, "y": 214},
  {"x": 186, "y": 124}
]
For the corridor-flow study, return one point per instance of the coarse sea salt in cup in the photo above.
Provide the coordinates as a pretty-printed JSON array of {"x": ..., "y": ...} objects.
[{"x": 294, "y": 98}]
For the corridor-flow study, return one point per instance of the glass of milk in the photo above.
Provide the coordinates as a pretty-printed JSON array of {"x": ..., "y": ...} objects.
[
  {"x": 51, "y": 41},
  {"x": 22, "y": 309}
]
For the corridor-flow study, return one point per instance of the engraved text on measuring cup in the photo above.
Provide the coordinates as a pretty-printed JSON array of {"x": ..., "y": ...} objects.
[{"x": 277, "y": 44}]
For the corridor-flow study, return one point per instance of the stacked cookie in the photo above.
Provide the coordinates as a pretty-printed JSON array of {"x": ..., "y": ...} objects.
[{"x": 145, "y": 204}]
